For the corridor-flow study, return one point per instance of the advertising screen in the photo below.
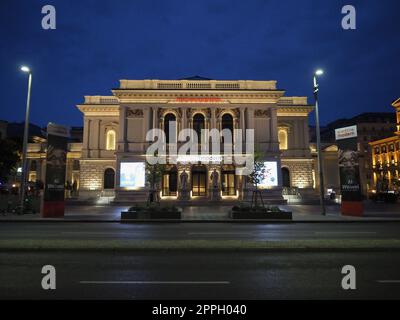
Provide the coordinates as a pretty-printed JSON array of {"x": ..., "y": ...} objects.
[
  {"x": 132, "y": 174},
  {"x": 271, "y": 175}
]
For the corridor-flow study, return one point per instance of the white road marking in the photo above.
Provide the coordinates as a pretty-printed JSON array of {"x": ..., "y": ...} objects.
[
  {"x": 221, "y": 233},
  {"x": 388, "y": 281},
  {"x": 154, "y": 282},
  {"x": 345, "y": 232},
  {"x": 98, "y": 233}
]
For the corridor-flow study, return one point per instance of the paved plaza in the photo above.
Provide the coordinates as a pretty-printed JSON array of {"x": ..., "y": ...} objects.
[{"x": 107, "y": 212}]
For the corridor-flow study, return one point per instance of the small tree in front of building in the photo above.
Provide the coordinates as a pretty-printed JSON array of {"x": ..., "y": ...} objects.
[
  {"x": 154, "y": 174},
  {"x": 255, "y": 178}
]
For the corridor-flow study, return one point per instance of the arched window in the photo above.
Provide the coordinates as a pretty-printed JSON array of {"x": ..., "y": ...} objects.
[
  {"x": 167, "y": 123},
  {"x": 110, "y": 140},
  {"x": 283, "y": 139},
  {"x": 227, "y": 123},
  {"x": 285, "y": 177},
  {"x": 198, "y": 124},
  {"x": 109, "y": 178}
]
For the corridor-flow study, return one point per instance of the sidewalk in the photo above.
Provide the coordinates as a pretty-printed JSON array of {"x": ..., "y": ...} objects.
[{"x": 301, "y": 213}]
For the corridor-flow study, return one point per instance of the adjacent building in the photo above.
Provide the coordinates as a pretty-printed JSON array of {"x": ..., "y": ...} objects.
[
  {"x": 370, "y": 126},
  {"x": 385, "y": 159}
]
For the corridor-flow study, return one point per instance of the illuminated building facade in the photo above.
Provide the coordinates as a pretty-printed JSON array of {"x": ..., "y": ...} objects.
[
  {"x": 386, "y": 159},
  {"x": 111, "y": 157}
]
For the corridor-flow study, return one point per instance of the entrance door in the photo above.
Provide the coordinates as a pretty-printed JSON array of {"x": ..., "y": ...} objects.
[
  {"x": 285, "y": 177},
  {"x": 170, "y": 182},
  {"x": 199, "y": 181},
  {"x": 228, "y": 183}
]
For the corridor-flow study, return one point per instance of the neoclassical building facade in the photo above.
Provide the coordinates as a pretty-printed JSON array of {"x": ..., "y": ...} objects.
[{"x": 111, "y": 159}]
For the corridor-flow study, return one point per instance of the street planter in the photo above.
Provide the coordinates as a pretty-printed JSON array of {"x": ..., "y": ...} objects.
[
  {"x": 259, "y": 214},
  {"x": 151, "y": 213}
]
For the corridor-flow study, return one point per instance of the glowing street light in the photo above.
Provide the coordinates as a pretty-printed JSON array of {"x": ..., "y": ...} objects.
[
  {"x": 317, "y": 73},
  {"x": 25, "y": 141},
  {"x": 25, "y": 69}
]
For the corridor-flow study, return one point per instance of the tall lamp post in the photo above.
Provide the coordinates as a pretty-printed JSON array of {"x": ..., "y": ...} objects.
[
  {"x": 321, "y": 175},
  {"x": 25, "y": 141}
]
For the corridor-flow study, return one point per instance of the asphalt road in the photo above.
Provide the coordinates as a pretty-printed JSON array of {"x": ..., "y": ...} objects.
[
  {"x": 173, "y": 275},
  {"x": 196, "y": 231}
]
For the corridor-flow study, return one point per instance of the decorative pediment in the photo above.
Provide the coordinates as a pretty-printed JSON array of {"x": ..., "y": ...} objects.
[
  {"x": 191, "y": 111},
  {"x": 234, "y": 112},
  {"x": 163, "y": 111},
  {"x": 134, "y": 113},
  {"x": 261, "y": 113}
]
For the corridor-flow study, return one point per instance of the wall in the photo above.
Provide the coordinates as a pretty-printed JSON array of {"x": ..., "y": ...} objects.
[
  {"x": 92, "y": 175},
  {"x": 300, "y": 172}
]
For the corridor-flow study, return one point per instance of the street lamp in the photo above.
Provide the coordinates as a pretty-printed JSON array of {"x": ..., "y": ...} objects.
[
  {"x": 25, "y": 141},
  {"x": 317, "y": 73}
]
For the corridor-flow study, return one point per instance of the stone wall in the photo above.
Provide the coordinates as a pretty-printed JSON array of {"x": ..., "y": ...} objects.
[
  {"x": 300, "y": 172},
  {"x": 92, "y": 174}
]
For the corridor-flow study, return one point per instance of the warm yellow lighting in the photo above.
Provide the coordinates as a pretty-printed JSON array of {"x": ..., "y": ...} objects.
[
  {"x": 283, "y": 139},
  {"x": 25, "y": 69},
  {"x": 110, "y": 140}
]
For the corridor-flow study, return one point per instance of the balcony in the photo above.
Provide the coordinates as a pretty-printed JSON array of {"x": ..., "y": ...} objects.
[{"x": 198, "y": 84}]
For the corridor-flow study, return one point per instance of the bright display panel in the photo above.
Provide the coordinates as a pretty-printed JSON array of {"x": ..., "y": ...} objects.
[
  {"x": 270, "y": 175},
  {"x": 132, "y": 174}
]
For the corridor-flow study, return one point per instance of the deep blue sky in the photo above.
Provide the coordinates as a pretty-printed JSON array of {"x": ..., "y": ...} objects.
[{"x": 96, "y": 43}]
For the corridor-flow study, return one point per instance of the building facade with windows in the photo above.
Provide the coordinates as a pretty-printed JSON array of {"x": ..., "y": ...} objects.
[
  {"x": 110, "y": 161},
  {"x": 385, "y": 160},
  {"x": 371, "y": 126}
]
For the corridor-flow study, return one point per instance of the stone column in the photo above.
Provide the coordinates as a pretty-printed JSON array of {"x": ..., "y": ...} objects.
[
  {"x": 183, "y": 119},
  {"x": 274, "y": 125},
  {"x": 86, "y": 133},
  {"x": 243, "y": 123},
  {"x": 99, "y": 137},
  {"x": 213, "y": 119},
  {"x": 306, "y": 136},
  {"x": 146, "y": 126},
  {"x": 122, "y": 129}
]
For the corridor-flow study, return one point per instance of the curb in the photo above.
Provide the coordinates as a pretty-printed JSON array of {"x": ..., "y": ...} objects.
[
  {"x": 200, "y": 245},
  {"x": 155, "y": 221}
]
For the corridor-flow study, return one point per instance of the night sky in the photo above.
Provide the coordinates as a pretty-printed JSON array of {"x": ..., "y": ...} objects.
[{"x": 96, "y": 43}]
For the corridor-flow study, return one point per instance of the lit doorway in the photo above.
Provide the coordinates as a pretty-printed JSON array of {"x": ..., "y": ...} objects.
[
  {"x": 170, "y": 182},
  {"x": 228, "y": 181},
  {"x": 199, "y": 181}
]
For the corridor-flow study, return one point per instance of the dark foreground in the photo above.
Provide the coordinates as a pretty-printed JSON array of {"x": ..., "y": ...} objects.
[{"x": 217, "y": 275}]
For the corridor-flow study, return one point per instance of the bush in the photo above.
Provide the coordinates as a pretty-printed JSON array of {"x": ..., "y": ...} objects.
[
  {"x": 244, "y": 207},
  {"x": 153, "y": 207},
  {"x": 384, "y": 196}
]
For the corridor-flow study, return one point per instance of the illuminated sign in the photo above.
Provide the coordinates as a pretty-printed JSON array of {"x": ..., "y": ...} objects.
[
  {"x": 346, "y": 133},
  {"x": 270, "y": 175},
  {"x": 132, "y": 175}
]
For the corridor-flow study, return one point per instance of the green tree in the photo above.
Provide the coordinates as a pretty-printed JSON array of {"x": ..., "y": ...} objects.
[
  {"x": 9, "y": 157},
  {"x": 255, "y": 178}
]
